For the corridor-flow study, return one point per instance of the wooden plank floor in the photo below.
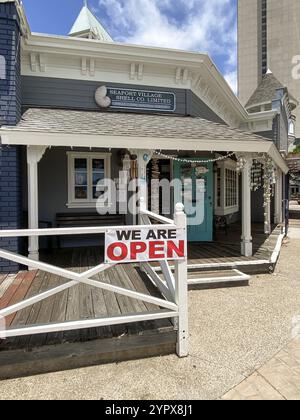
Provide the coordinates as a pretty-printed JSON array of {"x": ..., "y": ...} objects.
[
  {"x": 227, "y": 248},
  {"x": 77, "y": 303}
]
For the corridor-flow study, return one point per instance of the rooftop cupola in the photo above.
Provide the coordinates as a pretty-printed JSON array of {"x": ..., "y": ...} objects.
[
  {"x": 88, "y": 26},
  {"x": 268, "y": 90}
]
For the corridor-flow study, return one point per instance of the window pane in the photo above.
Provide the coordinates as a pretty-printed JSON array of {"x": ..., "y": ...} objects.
[
  {"x": 81, "y": 193},
  {"x": 230, "y": 188},
  {"x": 81, "y": 178},
  {"x": 97, "y": 176},
  {"x": 98, "y": 165},
  {"x": 80, "y": 164}
]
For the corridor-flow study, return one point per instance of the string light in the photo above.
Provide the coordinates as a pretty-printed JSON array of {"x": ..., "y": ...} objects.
[{"x": 184, "y": 160}]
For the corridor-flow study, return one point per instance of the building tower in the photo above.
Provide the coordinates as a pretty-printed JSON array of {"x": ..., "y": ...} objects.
[{"x": 268, "y": 38}]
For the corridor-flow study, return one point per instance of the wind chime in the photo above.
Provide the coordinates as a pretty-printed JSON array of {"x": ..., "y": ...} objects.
[
  {"x": 155, "y": 175},
  {"x": 262, "y": 176},
  {"x": 256, "y": 175}
]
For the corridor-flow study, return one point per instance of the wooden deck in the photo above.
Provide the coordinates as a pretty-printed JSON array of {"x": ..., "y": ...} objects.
[
  {"x": 67, "y": 350},
  {"x": 113, "y": 343},
  {"x": 226, "y": 250}
]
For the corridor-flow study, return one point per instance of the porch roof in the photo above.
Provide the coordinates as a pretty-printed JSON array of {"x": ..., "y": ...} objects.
[{"x": 56, "y": 127}]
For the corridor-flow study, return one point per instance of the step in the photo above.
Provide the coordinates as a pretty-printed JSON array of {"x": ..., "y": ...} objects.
[{"x": 216, "y": 277}]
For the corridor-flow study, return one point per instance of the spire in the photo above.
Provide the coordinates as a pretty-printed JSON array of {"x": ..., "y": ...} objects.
[{"x": 87, "y": 25}]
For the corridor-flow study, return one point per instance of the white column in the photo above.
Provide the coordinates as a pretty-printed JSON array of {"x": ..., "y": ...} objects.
[
  {"x": 268, "y": 226},
  {"x": 143, "y": 158},
  {"x": 34, "y": 155},
  {"x": 181, "y": 290},
  {"x": 246, "y": 248},
  {"x": 278, "y": 198}
]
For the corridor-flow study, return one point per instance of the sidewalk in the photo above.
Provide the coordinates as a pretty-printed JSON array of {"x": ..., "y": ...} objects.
[
  {"x": 279, "y": 379},
  {"x": 233, "y": 333}
]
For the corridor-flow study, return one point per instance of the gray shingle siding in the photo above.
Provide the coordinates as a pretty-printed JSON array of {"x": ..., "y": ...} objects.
[
  {"x": 197, "y": 108},
  {"x": 78, "y": 94},
  {"x": 10, "y": 114}
]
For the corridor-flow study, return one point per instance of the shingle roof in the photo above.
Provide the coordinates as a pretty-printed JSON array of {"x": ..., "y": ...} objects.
[
  {"x": 265, "y": 91},
  {"x": 128, "y": 124},
  {"x": 87, "y": 22}
]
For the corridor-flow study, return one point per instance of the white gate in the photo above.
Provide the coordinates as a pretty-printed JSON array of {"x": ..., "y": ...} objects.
[{"x": 172, "y": 305}]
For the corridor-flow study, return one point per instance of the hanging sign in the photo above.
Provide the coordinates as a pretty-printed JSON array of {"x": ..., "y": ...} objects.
[
  {"x": 141, "y": 245},
  {"x": 138, "y": 99}
]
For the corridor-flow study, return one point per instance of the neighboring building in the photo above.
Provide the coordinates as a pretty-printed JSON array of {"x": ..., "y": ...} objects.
[
  {"x": 268, "y": 38},
  {"x": 271, "y": 95},
  {"x": 92, "y": 108},
  {"x": 293, "y": 162}
]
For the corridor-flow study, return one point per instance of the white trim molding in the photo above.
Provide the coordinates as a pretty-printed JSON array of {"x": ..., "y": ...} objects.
[{"x": 14, "y": 137}]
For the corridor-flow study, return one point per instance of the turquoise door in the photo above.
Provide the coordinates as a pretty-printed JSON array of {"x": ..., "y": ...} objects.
[{"x": 195, "y": 191}]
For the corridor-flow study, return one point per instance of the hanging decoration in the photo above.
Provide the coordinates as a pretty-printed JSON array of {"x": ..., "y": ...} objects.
[
  {"x": 241, "y": 162},
  {"x": 191, "y": 161},
  {"x": 269, "y": 181},
  {"x": 155, "y": 175},
  {"x": 256, "y": 175}
]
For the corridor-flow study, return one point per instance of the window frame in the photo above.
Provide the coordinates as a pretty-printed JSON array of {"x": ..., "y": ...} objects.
[
  {"x": 292, "y": 128},
  {"x": 220, "y": 185},
  {"x": 90, "y": 202}
]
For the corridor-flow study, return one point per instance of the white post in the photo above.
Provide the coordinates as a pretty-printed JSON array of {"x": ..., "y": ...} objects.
[
  {"x": 181, "y": 289},
  {"x": 143, "y": 158},
  {"x": 268, "y": 227},
  {"x": 278, "y": 198},
  {"x": 247, "y": 249},
  {"x": 34, "y": 155}
]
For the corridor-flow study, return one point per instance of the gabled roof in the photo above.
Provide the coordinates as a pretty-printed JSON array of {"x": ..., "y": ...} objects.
[
  {"x": 88, "y": 24},
  {"x": 266, "y": 91}
]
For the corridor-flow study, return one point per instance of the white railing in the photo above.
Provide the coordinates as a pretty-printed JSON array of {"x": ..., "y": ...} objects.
[{"x": 172, "y": 305}]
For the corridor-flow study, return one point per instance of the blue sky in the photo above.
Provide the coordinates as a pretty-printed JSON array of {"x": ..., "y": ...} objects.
[{"x": 195, "y": 25}]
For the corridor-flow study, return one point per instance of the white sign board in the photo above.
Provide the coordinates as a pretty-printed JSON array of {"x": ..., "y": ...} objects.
[{"x": 141, "y": 245}]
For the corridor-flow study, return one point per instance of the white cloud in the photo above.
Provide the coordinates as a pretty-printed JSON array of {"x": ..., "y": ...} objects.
[
  {"x": 195, "y": 25},
  {"x": 231, "y": 79}
]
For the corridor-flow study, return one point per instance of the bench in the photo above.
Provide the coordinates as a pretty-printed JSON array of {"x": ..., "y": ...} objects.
[
  {"x": 220, "y": 223},
  {"x": 69, "y": 220}
]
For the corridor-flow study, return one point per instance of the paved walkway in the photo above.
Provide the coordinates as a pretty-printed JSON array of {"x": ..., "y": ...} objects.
[
  {"x": 279, "y": 379},
  {"x": 233, "y": 333}
]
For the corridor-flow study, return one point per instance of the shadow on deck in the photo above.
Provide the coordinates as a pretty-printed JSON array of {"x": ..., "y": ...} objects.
[{"x": 42, "y": 353}]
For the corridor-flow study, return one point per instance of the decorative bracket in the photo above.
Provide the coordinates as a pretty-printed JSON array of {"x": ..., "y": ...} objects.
[
  {"x": 136, "y": 71},
  {"x": 38, "y": 62}
]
